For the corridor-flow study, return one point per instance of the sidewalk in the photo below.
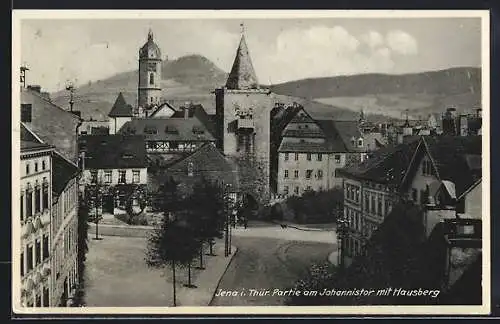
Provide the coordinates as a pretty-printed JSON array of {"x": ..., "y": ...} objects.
[{"x": 207, "y": 280}]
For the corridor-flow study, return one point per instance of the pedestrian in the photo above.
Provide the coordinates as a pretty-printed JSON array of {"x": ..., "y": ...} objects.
[{"x": 245, "y": 223}]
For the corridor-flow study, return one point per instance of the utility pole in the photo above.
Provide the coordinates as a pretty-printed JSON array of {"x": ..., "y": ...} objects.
[
  {"x": 71, "y": 88},
  {"x": 24, "y": 68}
]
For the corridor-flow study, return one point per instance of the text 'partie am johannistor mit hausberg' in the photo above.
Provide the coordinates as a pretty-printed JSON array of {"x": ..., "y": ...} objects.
[{"x": 329, "y": 292}]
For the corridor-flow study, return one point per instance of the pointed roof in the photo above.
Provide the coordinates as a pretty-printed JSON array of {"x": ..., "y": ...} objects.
[
  {"x": 242, "y": 75},
  {"x": 120, "y": 108}
]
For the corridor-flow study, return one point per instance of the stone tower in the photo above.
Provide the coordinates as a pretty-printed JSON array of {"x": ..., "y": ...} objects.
[
  {"x": 243, "y": 112},
  {"x": 149, "y": 90}
]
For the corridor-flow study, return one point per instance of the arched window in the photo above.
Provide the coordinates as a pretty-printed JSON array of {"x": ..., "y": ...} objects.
[{"x": 151, "y": 79}]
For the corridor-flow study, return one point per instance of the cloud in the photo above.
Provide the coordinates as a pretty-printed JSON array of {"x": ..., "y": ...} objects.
[
  {"x": 321, "y": 51},
  {"x": 402, "y": 43},
  {"x": 373, "y": 39}
]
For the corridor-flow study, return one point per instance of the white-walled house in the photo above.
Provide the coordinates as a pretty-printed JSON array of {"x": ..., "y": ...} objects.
[
  {"x": 120, "y": 113},
  {"x": 116, "y": 162}
]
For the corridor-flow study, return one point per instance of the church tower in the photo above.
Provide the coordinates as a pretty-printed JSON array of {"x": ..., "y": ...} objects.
[
  {"x": 149, "y": 90},
  {"x": 243, "y": 112}
]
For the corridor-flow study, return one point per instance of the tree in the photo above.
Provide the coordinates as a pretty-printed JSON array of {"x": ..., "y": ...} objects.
[
  {"x": 94, "y": 193},
  {"x": 207, "y": 216},
  {"x": 172, "y": 243}
]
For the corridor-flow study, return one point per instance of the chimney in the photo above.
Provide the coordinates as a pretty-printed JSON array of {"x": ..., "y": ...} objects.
[
  {"x": 479, "y": 112},
  {"x": 35, "y": 88}
]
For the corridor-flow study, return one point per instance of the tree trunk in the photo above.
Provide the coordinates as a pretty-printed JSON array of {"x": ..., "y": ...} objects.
[
  {"x": 189, "y": 274},
  {"x": 173, "y": 282},
  {"x": 96, "y": 224},
  {"x": 211, "y": 247},
  {"x": 201, "y": 257}
]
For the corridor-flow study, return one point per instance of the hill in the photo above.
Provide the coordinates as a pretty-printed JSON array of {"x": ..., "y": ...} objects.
[
  {"x": 194, "y": 77},
  {"x": 420, "y": 93}
]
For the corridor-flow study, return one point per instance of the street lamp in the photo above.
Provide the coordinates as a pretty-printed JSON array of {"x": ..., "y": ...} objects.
[
  {"x": 342, "y": 234},
  {"x": 227, "y": 212}
]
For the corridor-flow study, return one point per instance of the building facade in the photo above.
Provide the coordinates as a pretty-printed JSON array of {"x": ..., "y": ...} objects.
[
  {"x": 310, "y": 152},
  {"x": 35, "y": 220},
  {"x": 371, "y": 190},
  {"x": 243, "y": 123},
  {"x": 64, "y": 230}
]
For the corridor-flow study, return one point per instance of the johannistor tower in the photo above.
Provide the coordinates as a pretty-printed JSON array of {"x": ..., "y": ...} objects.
[{"x": 243, "y": 112}]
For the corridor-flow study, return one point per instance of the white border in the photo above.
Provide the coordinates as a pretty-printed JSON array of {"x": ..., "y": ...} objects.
[{"x": 19, "y": 15}]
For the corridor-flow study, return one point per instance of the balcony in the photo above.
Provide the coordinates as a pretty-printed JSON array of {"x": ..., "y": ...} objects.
[{"x": 245, "y": 123}]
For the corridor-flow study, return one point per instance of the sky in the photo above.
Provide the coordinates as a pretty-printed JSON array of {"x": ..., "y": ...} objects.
[{"x": 82, "y": 50}]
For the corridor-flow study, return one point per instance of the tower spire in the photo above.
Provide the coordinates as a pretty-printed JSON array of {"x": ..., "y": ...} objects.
[
  {"x": 150, "y": 34},
  {"x": 242, "y": 75}
]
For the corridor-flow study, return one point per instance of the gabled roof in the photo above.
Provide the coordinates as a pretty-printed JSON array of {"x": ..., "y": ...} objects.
[
  {"x": 30, "y": 141},
  {"x": 168, "y": 129},
  {"x": 113, "y": 151},
  {"x": 52, "y": 124},
  {"x": 120, "y": 108},
  {"x": 62, "y": 172},
  {"x": 387, "y": 165},
  {"x": 242, "y": 75},
  {"x": 207, "y": 161},
  {"x": 162, "y": 108},
  {"x": 455, "y": 158}
]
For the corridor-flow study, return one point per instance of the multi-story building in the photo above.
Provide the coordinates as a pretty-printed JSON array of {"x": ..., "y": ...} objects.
[
  {"x": 35, "y": 220},
  {"x": 311, "y": 150},
  {"x": 64, "y": 230},
  {"x": 117, "y": 162},
  {"x": 371, "y": 189},
  {"x": 44, "y": 122}
]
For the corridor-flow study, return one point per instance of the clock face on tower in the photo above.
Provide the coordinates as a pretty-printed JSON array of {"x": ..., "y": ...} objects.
[{"x": 151, "y": 67}]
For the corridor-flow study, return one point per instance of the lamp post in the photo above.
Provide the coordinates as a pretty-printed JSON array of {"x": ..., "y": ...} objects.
[
  {"x": 227, "y": 212},
  {"x": 342, "y": 233}
]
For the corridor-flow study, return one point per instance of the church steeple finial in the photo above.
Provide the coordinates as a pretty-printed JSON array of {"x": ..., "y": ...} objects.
[
  {"x": 242, "y": 75},
  {"x": 150, "y": 34}
]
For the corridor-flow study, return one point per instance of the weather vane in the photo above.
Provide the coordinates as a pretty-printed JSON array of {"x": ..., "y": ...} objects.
[{"x": 242, "y": 26}]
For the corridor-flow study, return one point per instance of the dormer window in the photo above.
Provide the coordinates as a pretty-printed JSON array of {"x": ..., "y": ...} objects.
[
  {"x": 353, "y": 141},
  {"x": 360, "y": 142},
  {"x": 151, "y": 130},
  {"x": 198, "y": 130},
  {"x": 127, "y": 156},
  {"x": 171, "y": 130},
  {"x": 190, "y": 169}
]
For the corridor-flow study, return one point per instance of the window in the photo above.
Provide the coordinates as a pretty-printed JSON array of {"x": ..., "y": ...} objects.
[
  {"x": 38, "y": 252},
  {"x": 38, "y": 300},
  {"x": 320, "y": 174},
  {"x": 309, "y": 174},
  {"x": 46, "y": 297},
  {"x": 286, "y": 156},
  {"x": 22, "y": 264},
  {"x": 38, "y": 199},
  {"x": 45, "y": 247},
  {"x": 319, "y": 157},
  {"x": 308, "y": 156},
  {"x": 360, "y": 142},
  {"x": 372, "y": 207},
  {"x": 367, "y": 202},
  {"x": 296, "y": 156},
  {"x": 107, "y": 176},
  {"x": 296, "y": 190},
  {"x": 93, "y": 176},
  {"x": 190, "y": 172},
  {"x": 387, "y": 206},
  {"x": 30, "y": 258},
  {"x": 36, "y": 166},
  {"x": 296, "y": 174},
  {"x": 45, "y": 204},
  {"x": 414, "y": 194},
  {"x": 22, "y": 206},
  {"x": 379, "y": 208},
  {"x": 286, "y": 173},
  {"x": 308, "y": 188},
  {"x": 43, "y": 165},
  {"x": 121, "y": 176},
  {"x": 136, "y": 174},
  {"x": 285, "y": 190},
  {"x": 27, "y": 168},
  {"x": 337, "y": 158},
  {"x": 29, "y": 202},
  {"x": 151, "y": 81}
]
